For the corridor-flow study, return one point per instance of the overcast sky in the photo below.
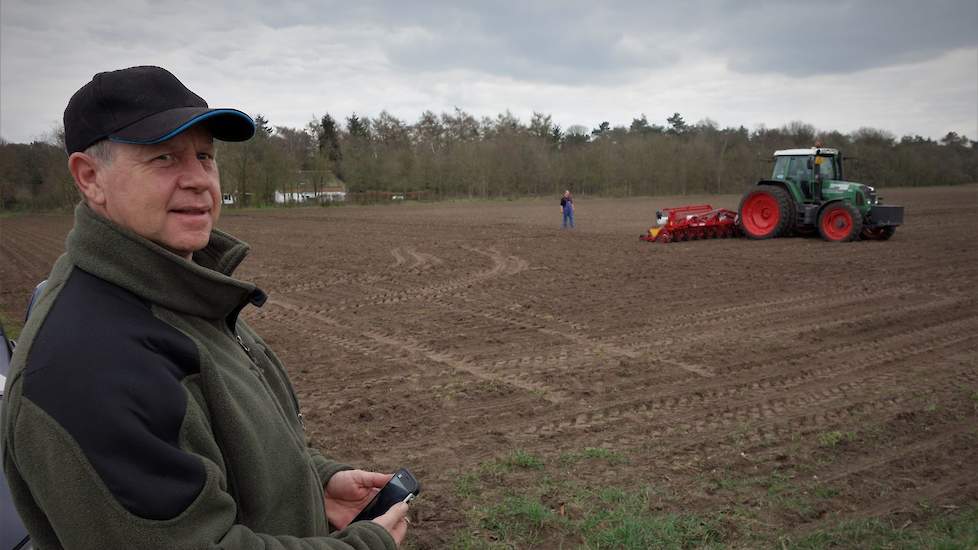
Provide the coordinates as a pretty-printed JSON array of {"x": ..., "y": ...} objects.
[{"x": 904, "y": 66}]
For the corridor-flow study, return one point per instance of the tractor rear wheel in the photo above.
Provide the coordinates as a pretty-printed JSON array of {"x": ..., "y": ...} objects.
[
  {"x": 766, "y": 212},
  {"x": 840, "y": 222},
  {"x": 878, "y": 233}
]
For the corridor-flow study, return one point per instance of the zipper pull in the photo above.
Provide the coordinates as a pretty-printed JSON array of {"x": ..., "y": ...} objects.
[
  {"x": 255, "y": 367},
  {"x": 242, "y": 344}
]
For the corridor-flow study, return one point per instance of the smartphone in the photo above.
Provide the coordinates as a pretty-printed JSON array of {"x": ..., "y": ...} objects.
[{"x": 401, "y": 488}]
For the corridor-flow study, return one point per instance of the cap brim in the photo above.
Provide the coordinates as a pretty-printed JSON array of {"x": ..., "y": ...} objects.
[{"x": 224, "y": 124}]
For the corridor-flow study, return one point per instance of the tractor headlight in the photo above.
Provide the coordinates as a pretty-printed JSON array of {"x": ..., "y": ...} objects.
[{"x": 871, "y": 194}]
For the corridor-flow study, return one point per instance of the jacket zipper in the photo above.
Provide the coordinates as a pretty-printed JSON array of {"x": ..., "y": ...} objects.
[{"x": 260, "y": 374}]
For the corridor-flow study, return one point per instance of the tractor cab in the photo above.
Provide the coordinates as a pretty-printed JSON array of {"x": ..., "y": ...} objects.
[{"x": 809, "y": 172}]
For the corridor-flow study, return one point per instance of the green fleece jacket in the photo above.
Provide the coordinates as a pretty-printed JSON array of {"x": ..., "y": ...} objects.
[{"x": 141, "y": 413}]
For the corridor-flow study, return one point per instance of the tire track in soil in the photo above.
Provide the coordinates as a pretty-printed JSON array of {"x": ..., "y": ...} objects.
[
  {"x": 416, "y": 350},
  {"x": 796, "y": 333},
  {"x": 398, "y": 257},
  {"x": 849, "y": 349},
  {"x": 775, "y": 312},
  {"x": 899, "y": 451},
  {"x": 922, "y": 325},
  {"x": 701, "y": 401},
  {"x": 335, "y": 278},
  {"x": 360, "y": 345},
  {"x": 678, "y": 422},
  {"x": 693, "y": 404},
  {"x": 423, "y": 260},
  {"x": 653, "y": 362},
  {"x": 910, "y": 499},
  {"x": 705, "y": 316},
  {"x": 26, "y": 255},
  {"x": 916, "y": 472},
  {"x": 27, "y": 259},
  {"x": 707, "y": 319},
  {"x": 501, "y": 265},
  {"x": 517, "y": 380},
  {"x": 41, "y": 240},
  {"x": 755, "y": 434},
  {"x": 512, "y": 321}
]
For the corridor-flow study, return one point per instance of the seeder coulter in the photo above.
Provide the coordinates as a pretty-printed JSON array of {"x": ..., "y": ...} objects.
[{"x": 687, "y": 223}]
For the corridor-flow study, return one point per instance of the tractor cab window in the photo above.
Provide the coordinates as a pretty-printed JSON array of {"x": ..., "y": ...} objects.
[
  {"x": 780, "y": 168},
  {"x": 798, "y": 170},
  {"x": 826, "y": 167}
]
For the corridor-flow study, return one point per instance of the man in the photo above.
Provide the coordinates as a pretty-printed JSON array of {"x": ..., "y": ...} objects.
[
  {"x": 567, "y": 209},
  {"x": 140, "y": 411}
]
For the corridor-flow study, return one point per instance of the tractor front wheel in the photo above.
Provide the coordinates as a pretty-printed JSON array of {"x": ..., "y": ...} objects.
[
  {"x": 840, "y": 222},
  {"x": 878, "y": 233},
  {"x": 766, "y": 212}
]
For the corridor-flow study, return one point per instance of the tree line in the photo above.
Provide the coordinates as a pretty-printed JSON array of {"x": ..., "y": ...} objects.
[{"x": 455, "y": 154}]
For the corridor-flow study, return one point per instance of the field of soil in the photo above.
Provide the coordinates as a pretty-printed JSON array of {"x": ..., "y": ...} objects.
[{"x": 782, "y": 386}]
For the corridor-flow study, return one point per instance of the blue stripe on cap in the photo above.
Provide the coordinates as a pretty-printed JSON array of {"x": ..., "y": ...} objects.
[{"x": 183, "y": 127}]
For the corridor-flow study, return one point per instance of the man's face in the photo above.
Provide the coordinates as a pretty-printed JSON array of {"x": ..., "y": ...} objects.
[{"x": 169, "y": 193}]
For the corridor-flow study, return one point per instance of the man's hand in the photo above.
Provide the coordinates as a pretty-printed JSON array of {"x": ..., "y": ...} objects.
[
  {"x": 348, "y": 491},
  {"x": 395, "y": 521}
]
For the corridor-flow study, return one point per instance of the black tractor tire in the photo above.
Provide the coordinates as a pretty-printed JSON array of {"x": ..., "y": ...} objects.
[
  {"x": 840, "y": 222},
  {"x": 878, "y": 233},
  {"x": 766, "y": 212}
]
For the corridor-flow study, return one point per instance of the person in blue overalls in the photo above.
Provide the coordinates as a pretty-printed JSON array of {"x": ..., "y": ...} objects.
[{"x": 567, "y": 208}]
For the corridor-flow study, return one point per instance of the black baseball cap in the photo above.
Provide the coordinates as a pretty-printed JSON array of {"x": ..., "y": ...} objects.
[{"x": 144, "y": 105}]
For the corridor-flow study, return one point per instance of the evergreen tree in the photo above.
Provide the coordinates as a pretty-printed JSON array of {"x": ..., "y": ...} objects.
[{"x": 676, "y": 124}]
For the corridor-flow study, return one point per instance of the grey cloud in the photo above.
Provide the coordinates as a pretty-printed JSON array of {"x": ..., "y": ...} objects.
[
  {"x": 837, "y": 37},
  {"x": 572, "y": 42},
  {"x": 579, "y": 56},
  {"x": 547, "y": 57}
]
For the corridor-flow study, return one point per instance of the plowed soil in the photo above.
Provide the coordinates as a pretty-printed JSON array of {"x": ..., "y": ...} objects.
[{"x": 442, "y": 336}]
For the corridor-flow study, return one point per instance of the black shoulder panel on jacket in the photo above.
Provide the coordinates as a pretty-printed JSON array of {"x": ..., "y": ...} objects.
[{"x": 109, "y": 372}]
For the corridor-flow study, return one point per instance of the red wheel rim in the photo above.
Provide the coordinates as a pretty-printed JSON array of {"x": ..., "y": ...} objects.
[
  {"x": 836, "y": 224},
  {"x": 760, "y": 214}
]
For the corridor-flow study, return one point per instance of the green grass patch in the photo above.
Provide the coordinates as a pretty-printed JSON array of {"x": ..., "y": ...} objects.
[
  {"x": 605, "y": 519},
  {"x": 622, "y": 519},
  {"x": 470, "y": 484},
  {"x": 467, "y": 485},
  {"x": 824, "y": 491},
  {"x": 546, "y": 509},
  {"x": 835, "y": 438},
  {"x": 777, "y": 484},
  {"x": 593, "y": 453},
  {"x": 957, "y": 532},
  {"x": 520, "y": 459},
  {"x": 523, "y": 500},
  {"x": 519, "y": 517}
]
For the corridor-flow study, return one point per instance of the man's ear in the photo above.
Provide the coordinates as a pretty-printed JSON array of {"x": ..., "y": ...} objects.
[{"x": 84, "y": 169}]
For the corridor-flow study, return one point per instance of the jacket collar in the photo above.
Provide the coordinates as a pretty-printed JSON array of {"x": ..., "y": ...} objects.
[{"x": 203, "y": 287}]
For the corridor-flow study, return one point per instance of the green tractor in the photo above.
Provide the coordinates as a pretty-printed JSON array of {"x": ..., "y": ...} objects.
[{"x": 807, "y": 193}]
